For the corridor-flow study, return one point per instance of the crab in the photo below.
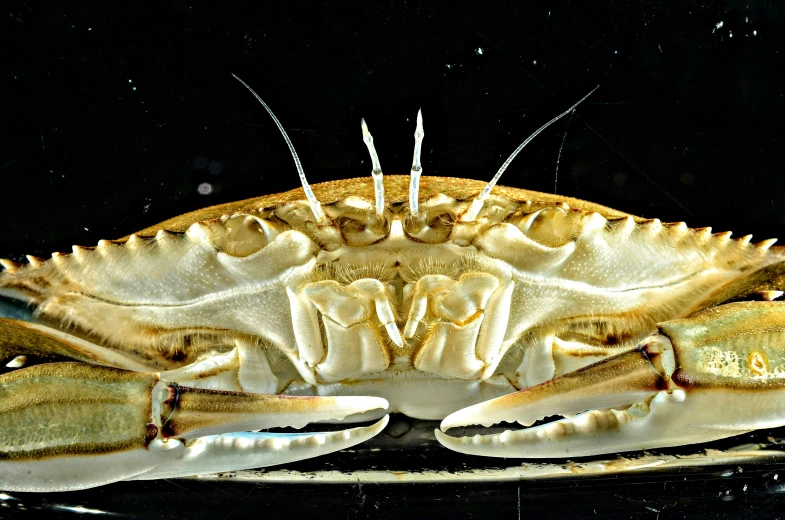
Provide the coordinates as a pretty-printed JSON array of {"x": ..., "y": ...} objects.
[{"x": 161, "y": 354}]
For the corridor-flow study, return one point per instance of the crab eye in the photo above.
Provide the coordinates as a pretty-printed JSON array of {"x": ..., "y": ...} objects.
[
  {"x": 549, "y": 226},
  {"x": 435, "y": 229},
  {"x": 242, "y": 235},
  {"x": 357, "y": 222},
  {"x": 359, "y": 233},
  {"x": 435, "y": 222}
]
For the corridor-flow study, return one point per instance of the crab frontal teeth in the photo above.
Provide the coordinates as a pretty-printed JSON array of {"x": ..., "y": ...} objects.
[
  {"x": 612, "y": 383},
  {"x": 191, "y": 413}
]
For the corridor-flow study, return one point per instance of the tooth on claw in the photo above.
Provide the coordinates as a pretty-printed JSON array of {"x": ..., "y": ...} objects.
[
  {"x": 771, "y": 295},
  {"x": 17, "y": 362},
  {"x": 213, "y": 454}
]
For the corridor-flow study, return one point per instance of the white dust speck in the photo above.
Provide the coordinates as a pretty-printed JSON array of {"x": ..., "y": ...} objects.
[
  {"x": 449, "y": 66},
  {"x": 534, "y": 62},
  {"x": 754, "y": 33},
  {"x": 479, "y": 51},
  {"x": 130, "y": 81},
  {"x": 730, "y": 35},
  {"x": 205, "y": 188},
  {"x": 89, "y": 230},
  {"x": 718, "y": 26}
]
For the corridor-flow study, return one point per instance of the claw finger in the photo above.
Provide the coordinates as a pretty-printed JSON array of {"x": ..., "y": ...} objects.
[
  {"x": 617, "y": 381},
  {"x": 626, "y": 395},
  {"x": 237, "y": 451},
  {"x": 192, "y": 412},
  {"x": 642, "y": 426}
]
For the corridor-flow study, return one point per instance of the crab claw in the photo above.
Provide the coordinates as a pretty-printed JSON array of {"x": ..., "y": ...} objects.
[
  {"x": 713, "y": 375},
  {"x": 69, "y": 426}
]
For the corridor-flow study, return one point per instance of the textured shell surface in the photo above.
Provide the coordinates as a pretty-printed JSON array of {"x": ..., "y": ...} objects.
[{"x": 431, "y": 311}]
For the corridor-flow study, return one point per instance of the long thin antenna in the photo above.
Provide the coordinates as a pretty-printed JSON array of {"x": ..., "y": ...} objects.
[
  {"x": 414, "y": 181},
  {"x": 558, "y": 158},
  {"x": 316, "y": 207},
  {"x": 478, "y": 202},
  {"x": 378, "y": 184}
]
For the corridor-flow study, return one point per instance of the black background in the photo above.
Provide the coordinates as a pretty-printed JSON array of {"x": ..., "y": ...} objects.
[{"x": 113, "y": 114}]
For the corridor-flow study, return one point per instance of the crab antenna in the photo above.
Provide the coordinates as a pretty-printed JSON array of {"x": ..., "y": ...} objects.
[
  {"x": 315, "y": 206},
  {"x": 477, "y": 203},
  {"x": 414, "y": 183},
  {"x": 378, "y": 184}
]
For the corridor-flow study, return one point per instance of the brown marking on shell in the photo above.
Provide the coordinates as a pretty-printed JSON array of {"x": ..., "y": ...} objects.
[
  {"x": 758, "y": 363},
  {"x": 680, "y": 227},
  {"x": 620, "y": 225}
]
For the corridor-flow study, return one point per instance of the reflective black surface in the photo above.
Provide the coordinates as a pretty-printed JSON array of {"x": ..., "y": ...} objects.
[
  {"x": 114, "y": 114},
  {"x": 732, "y": 490}
]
